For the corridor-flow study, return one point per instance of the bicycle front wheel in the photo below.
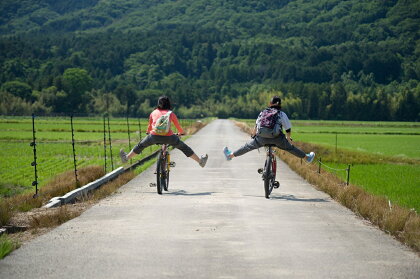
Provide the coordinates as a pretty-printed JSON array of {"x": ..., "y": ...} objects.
[
  {"x": 165, "y": 177},
  {"x": 159, "y": 173},
  {"x": 268, "y": 184}
]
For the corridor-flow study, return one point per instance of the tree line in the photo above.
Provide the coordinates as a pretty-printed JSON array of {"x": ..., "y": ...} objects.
[{"x": 328, "y": 60}]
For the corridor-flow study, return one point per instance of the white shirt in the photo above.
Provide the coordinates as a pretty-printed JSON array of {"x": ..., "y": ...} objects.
[{"x": 284, "y": 121}]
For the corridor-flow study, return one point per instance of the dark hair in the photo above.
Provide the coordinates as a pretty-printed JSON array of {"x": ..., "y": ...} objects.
[
  {"x": 164, "y": 103},
  {"x": 275, "y": 102}
]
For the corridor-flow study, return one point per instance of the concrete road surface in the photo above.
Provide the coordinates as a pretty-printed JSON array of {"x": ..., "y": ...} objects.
[{"x": 215, "y": 223}]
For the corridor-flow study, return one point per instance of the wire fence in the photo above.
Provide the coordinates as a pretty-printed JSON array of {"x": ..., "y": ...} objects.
[
  {"x": 35, "y": 149},
  {"x": 332, "y": 169}
]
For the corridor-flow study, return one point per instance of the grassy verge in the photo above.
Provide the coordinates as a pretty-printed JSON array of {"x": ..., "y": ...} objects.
[
  {"x": 398, "y": 221},
  {"x": 7, "y": 245}
]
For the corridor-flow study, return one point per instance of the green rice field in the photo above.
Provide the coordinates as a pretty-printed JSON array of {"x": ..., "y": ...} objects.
[
  {"x": 385, "y": 138},
  {"x": 54, "y": 147}
]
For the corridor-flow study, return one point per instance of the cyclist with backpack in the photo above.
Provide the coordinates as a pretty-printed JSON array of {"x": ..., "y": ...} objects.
[
  {"x": 268, "y": 130},
  {"x": 159, "y": 132}
]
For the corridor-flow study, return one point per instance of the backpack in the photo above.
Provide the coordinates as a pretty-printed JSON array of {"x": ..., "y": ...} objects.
[
  {"x": 269, "y": 126},
  {"x": 163, "y": 124}
]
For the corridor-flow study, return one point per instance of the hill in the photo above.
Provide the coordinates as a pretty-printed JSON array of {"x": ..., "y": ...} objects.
[{"x": 328, "y": 59}]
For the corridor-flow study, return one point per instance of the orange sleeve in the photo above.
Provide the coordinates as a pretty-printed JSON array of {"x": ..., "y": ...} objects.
[
  {"x": 176, "y": 123},
  {"x": 149, "y": 127}
]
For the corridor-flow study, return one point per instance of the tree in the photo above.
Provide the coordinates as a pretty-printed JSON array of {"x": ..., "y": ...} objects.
[
  {"x": 18, "y": 89},
  {"x": 76, "y": 82}
]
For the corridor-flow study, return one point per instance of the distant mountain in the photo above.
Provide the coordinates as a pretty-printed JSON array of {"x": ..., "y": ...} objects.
[{"x": 217, "y": 50}]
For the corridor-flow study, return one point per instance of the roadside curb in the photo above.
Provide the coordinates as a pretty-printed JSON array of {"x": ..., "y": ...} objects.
[{"x": 82, "y": 191}]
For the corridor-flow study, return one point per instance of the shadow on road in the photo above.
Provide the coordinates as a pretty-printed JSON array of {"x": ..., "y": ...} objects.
[
  {"x": 185, "y": 193},
  {"x": 289, "y": 198},
  {"x": 293, "y": 198}
]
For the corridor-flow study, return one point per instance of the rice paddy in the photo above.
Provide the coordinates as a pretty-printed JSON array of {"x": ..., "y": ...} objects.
[{"x": 54, "y": 149}]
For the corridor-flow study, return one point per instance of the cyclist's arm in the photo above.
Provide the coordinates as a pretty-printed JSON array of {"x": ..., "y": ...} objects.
[
  {"x": 289, "y": 135},
  {"x": 149, "y": 127},
  {"x": 176, "y": 123},
  {"x": 285, "y": 122},
  {"x": 254, "y": 132}
]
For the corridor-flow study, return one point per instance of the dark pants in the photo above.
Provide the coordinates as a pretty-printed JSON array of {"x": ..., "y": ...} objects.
[
  {"x": 173, "y": 140},
  {"x": 280, "y": 142}
]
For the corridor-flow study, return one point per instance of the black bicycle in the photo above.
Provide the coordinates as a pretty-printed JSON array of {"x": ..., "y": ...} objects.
[
  {"x": 163, "y": 168},
  {"x": 269, "y": 171}
]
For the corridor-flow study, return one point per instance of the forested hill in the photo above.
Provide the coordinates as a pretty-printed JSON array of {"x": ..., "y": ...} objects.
[{"x": 328, "y": 59}]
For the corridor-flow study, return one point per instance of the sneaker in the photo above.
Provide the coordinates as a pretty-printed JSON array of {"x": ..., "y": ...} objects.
[
  {"x": 203, "y": 160},
  {"x": 310, "y": 157},
  {"x": 123, "y": 156},
  {"x": 227, "y": 153}
]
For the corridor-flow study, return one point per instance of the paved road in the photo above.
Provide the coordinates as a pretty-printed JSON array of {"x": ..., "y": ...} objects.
[{"x": 215, "y": 223}]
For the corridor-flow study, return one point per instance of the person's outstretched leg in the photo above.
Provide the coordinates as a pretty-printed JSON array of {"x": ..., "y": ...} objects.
[
  {"x": 147, "y": 141},
  {"x": 176, "y": 142},
  {"x": 249, "y": 146},
  {"x": 284, "y": 144}
]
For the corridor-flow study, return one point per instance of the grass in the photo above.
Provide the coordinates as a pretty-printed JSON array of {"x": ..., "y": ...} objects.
[
  {"x": 58, "y": 186},
  {"x": 6, "y": 246},
  {"x": 397, "y": 183},
  {"x": 405, "y": 146},
  {"x": 53, "y": 218}
]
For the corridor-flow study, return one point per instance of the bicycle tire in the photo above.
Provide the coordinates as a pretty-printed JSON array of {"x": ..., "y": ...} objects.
[
  {"x": 267, "y": 177},
  {"x": 159, "y": 170},
  {"x": 274, "y": 169},
  {"x": 166, "y": 173}
]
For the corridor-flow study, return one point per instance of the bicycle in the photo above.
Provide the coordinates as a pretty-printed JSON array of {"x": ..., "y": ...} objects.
[
  {"x": 163, "y": 168},
  {"x": 269, "y": 171}
]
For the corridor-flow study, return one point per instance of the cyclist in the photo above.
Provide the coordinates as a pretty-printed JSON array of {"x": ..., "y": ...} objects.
[
  {"x": 160, "y": 117},
  {"x": 281, "y": 141}
]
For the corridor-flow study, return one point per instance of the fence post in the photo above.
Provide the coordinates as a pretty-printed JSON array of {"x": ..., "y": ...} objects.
[
  {"x": 139, "y": 129},
  {"x": 110, "y": 144},
  {"x": 319, "y": 165},
  {"x": 105, "y": 142},
  {"x": 128, "y": 130},
  {"x": 336, "y": 140},
  {"x": 348, "y": 175},
  {"x": 34, "y": 164},
  {"x": 74, "y": 151}
]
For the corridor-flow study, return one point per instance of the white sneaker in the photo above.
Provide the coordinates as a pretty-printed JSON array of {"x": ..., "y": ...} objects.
[
  {"x": 310, "y": 157},
  {"x": 203, "y": 160},
  {"x": 123, "y": 156}
]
